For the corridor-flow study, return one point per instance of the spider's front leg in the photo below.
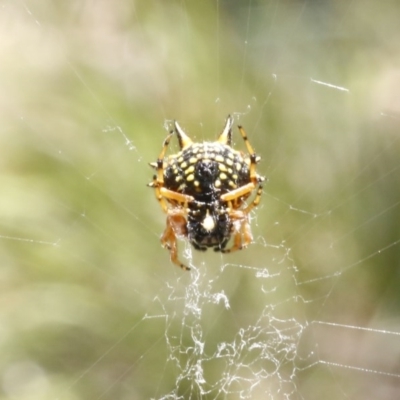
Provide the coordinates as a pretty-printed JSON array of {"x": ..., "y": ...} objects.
[
  {"x": 242, "y": 236},
  {"x": 176, "y": 227}
]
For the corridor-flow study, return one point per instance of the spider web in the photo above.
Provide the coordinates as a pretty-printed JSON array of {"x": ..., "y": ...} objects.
[{"x": 90, "y": 305}]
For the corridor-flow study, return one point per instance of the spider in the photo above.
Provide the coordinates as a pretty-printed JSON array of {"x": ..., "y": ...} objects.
[{"x": 203, "y": 190}]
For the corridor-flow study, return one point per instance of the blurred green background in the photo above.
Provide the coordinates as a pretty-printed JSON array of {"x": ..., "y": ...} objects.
[{"x": 90, "y": 305}]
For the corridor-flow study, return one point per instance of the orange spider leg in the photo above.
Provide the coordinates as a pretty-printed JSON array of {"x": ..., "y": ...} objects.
[
  {"x": 241, "y": 226},
  {"x": 176, "y": 226},
  {"x": 239, "y": 192},
  {"x": 243, "y": 191},
  {"x": 176, "y": 221},
  {"x": 172, "y": 195},
  {"x": 160, "y": 161},
  {"x": 163, "y": 195},
  {"x": 241, "y": 231},
  {"x": 253, "y": 157},
  {"x": 256, "y": 200}
]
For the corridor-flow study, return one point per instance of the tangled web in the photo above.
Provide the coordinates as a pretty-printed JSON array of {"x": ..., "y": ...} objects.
[{"x": 245, "y": 357}]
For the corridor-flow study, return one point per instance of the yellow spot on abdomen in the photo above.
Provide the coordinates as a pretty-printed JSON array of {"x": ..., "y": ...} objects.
[{"x": 189, "y": 170}]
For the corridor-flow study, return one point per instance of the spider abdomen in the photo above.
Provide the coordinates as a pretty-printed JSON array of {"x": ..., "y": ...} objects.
[{"x": 205, "y": 171}]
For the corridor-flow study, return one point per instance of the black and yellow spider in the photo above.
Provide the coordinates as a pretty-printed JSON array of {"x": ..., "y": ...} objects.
[{"x": 203, "y": 190}]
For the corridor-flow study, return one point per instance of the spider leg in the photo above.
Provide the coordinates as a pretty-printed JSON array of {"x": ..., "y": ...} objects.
[
  {"x": 241, "y": 227},
  {"x": 158, "y": 179},
  {"x": 160, "y": 161},
  {"x": 176, "y": 226},
  {"x": 242, "y": 232},
  {"x": 163, "y": 195},
  {"x": 159, "y": 197},
  {"x": 239, "y": 192},
  {"x": 256, "y": 200},
  {"x": 172, "y": 195},
  {"x": 243, "y": 191},
  {"x": 254, "y": 177}
]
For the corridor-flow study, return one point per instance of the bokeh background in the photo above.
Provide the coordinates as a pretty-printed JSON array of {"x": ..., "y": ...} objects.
[{"x": 91, "y": 307}]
